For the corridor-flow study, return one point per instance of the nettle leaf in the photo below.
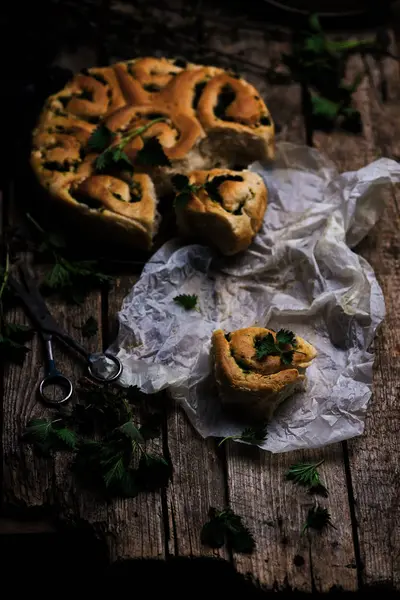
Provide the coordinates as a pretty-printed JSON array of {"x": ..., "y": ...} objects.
[
  {"x": 130, "y": 430},
  {"x": 152, "y": 154},
  {"x": 226, "y": 526},
  {"x": 318, "y": 518},
  {"x": 188, "y": 301},
  {"x": 101, "y": 138},
  {"x": 90, "y": 327}
]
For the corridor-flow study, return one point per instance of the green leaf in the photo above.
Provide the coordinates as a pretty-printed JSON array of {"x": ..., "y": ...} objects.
[
  {"x": 225, "y": 525},
  {"x": 58, "y": 277},
  {"x": 251, "y": 435},
  {"x": 100, "y": 138},
  {"x": 49, "y": 436},
  {"x": 67, "y": 436},
  {"x": 115, "y": 473},
  {"x": 306, "y": 475},
  {"x": 188, "y": 301},
  {"x": 323, "y": 107},
  {"x": 38, "y": 429},
  {"x": 213, "y": 534},
  {"x": 131, "y": 431},
  {"x": 152, "y": 154},
  {"x": 266, "y": 346},
  {"x": 283, "y": 346},
  {"x": 285, "y": 336},
  {"x": 90, "y": 327},
  {"x": 318, "y": 518}
]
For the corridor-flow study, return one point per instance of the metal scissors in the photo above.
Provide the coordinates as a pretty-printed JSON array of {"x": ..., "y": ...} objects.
[{"x": 28, "y": 293}]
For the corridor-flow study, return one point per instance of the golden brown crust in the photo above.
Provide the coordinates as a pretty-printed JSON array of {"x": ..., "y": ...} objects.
[
  {"x": 194, "y": 135},
  {"x": 231, "y": 223},
  {"x": 256, "y": 386}
]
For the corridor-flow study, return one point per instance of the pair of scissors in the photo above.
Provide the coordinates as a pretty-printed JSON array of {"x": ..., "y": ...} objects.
[{"x": 27, "y": 291}]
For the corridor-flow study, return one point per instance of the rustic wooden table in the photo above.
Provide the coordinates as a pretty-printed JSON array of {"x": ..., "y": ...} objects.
[{"x": 362, "y": 474}]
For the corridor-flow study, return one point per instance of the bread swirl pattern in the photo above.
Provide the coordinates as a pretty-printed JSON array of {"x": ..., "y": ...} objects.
[
  {"x": 254, "y": 386},
  {"x": 225, "y": 209},
  {"x": 208, "y": 116}
]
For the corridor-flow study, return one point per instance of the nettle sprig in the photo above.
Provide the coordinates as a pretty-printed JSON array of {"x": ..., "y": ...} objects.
[
  {"x": 111, "y": 147},
  {"x": 283, "y": 346}
]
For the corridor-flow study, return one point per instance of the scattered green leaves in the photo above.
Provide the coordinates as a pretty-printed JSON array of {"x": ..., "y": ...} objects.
[
  {"x": 116, "y": 463},
  {"x": 224, "y": 526},
  {"x": 188, "y": 301},
  {"x": 283, "y": 346},
  {"x": 251, "y": 435},
  {"x": 152, "y": 154},
  {"x": 72, "y": 279},
  {"x": 306, "y": 475},
  {"x": 318, "y": 518}
]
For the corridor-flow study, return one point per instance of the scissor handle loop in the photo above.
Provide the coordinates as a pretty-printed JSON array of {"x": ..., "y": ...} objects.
[
  {"x": 114, "y": 375},
  {"x": 59, "y": 380}
]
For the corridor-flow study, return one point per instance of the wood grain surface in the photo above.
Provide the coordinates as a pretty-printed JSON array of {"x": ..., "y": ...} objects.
[{"x": 362, "y": 475}]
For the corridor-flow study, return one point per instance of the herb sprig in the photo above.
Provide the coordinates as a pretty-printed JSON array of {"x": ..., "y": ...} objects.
[
  {"x": 112, "y": 152},
  {"x": 224, "y": 526},
  {"x": 187, "y": 301},
  {"x": 251, "y": 435},
  {"x": 184, "y": 189},
  {"x": 72, "y": 279},
  {"x": 283, "y": 346},
  {"x": 318, "y": 518},
  {"x": 306, "y": 475}
]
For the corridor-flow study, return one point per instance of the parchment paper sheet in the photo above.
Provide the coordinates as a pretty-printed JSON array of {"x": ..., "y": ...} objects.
[{"x": 300, "y": 274}]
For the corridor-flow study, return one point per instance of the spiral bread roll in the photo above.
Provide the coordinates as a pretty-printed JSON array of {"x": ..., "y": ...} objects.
[
  {"x": 200, "y": 116},
  {"x": 222, "y": 208},
  {"x": 253, "y": 383}
]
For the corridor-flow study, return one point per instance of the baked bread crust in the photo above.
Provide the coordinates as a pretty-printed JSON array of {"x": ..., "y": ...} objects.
[
  {"x": 210, "y": 116},
  {"x": 254, "y": 386},
  {"x": 231, "y": 216}
]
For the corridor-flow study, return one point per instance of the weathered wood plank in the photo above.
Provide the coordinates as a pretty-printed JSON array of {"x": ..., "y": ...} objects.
[
  {"x": 276, "y": 511},
  {"x": 140, "y": 525},
  {"x": 374, "y": 456}
]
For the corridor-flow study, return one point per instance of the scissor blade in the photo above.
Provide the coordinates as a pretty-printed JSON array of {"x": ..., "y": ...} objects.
[{"x": 34, "y": 304}]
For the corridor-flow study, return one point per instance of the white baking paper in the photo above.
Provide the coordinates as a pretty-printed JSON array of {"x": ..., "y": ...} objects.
[{"x": 300, "y": 274}]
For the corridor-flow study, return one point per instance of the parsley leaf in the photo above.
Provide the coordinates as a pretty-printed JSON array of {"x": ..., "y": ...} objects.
[
  {"x": 306, "y": 475},
  {"x": 224, "y": 526},
  {"x": 152, "y": 154},
  {"x": 250, "y": 435},
  {"x": 188, "y": 301},
  {"x": 284, "y": 346},
  {"x": 89, "y": 328},
  {"x": 318, "y": 518}
]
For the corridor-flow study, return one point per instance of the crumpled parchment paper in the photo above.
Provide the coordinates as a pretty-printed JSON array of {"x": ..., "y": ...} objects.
[{"x": 300, "y": 274}]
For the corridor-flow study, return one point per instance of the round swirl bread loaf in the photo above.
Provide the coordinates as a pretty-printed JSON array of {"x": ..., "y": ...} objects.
[
  {"x": 253, "y": 384},
  {"x": 201, "y": 117}
]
